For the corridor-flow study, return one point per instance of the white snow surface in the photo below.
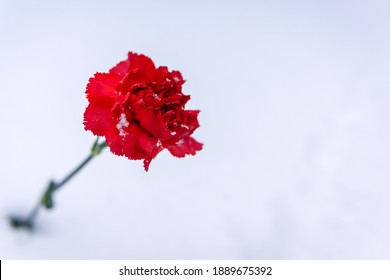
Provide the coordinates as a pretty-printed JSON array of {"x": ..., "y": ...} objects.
[{"x": 294, "y": 99}]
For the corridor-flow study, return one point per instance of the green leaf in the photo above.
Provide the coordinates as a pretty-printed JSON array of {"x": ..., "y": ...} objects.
[{"x": 47, "y": 198}]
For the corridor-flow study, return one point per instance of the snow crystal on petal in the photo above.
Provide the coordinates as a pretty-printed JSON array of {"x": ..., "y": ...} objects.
[
  {"x": 155, "y": 96},
  {"x": 121, "y": 124}
]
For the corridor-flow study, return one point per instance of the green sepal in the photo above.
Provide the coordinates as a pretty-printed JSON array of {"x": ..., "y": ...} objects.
[{"x": 98, "y": 148}]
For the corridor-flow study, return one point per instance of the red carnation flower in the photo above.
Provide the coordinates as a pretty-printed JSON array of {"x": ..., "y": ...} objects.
[{"x": 139, "y": 109}]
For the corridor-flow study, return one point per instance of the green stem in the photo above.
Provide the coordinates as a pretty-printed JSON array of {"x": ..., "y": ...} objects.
[
  {"x": 47, "y": 197},
  {"x": 74, "y": 172}
]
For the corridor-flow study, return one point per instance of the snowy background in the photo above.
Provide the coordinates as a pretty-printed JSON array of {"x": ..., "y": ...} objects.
[{"x": 295, "y": 117}]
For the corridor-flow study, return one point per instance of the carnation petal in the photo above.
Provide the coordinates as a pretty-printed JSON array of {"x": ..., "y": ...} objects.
[
  {"x": 185, "y": 146},
  {"x": 98, "y": 116},
  {"x": 137, "y": 143},
  {"x": 114, "y": 141},
  {"x": 190, "y": 119},
  {"x": 151, "y": 156},
  {"x": 102, "y": 85},
  {"x": 121, "y": 68},
  {"x": 141, "y": 65},
  {"x": 150, "y": 121}
]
